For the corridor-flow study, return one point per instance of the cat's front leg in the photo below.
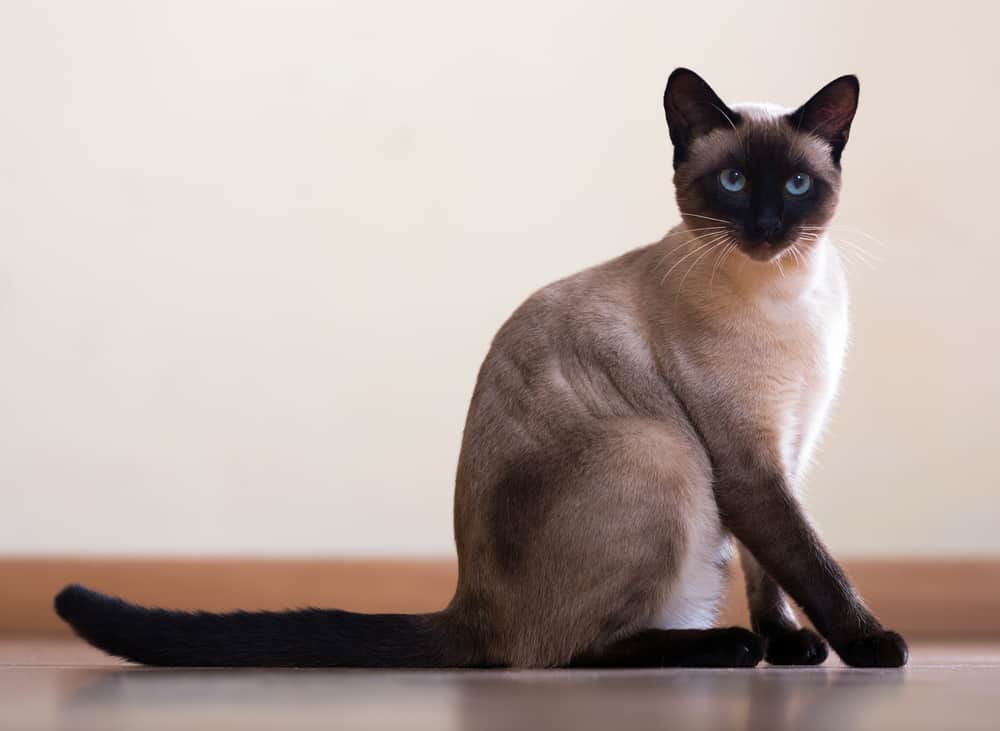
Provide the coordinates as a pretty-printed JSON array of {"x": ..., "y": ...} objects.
[
  {"x": 785, "y": 642},
  {"x": 758, "y": 507}
]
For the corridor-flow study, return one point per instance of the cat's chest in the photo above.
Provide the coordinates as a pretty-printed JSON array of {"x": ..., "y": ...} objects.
[{"x": 774, "y": 370}]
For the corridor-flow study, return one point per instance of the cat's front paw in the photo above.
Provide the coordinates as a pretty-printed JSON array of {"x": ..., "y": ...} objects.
[
  {"x": 795, "y": 647},
  {"x": 882, "y": 649}
]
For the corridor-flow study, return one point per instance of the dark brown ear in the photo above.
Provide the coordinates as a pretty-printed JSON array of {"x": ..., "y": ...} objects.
[
  {"x": 692, "y": 109},
  {"x": 829, "y": 113}
]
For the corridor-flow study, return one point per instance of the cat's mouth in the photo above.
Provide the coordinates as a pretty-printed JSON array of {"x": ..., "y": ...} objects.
[
  {"x": 774, "y": 247},
  {"x": 766, "y": 250}
]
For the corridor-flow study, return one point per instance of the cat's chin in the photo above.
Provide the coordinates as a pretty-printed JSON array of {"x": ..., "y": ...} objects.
[{"x": 766, "y": 251}]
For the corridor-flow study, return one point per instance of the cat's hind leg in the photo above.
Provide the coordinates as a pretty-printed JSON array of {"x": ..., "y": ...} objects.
[
  {"x": 604, "y": 534},
  {"x": 731, "y": 647}
]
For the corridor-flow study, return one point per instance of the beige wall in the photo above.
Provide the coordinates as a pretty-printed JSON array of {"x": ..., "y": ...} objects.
[{"x": 251, "y": 254}]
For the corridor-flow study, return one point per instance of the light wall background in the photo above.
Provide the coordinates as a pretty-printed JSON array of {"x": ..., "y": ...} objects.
[{"x": 252, "y": 253}]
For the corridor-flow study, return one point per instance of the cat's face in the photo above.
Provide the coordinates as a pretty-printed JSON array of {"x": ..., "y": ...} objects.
[{"x": 769, "y": 177}]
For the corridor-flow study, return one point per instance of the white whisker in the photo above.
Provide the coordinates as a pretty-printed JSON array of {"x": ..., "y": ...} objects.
[
  {"x": 861, "y": 255},
  {"x": 676, "y": 246},
  {"x": 722, "y": 255},
  {"x": 855, "y": 229},
  {"x": 857, "y": 247},
  {"x": 852, "y": 257},
  {"x": 734, "y": 247},
  {"x": 708, "y": 218},
  {"x": 691, "y": 268},
  {"x": 686, "y": 230},
  {"x": 698, "y": 248},
  {"x": 746, "y": 260}
]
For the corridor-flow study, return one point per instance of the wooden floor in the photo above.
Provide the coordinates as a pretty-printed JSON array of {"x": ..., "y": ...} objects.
[{"x": 65, "y": 685}]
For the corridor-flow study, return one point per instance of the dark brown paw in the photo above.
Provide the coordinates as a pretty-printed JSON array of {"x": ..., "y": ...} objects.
[
  {"x": 733, "y": 647},
  {"x": 884, "y": 649},
  {"x": 796, "y": 647}
]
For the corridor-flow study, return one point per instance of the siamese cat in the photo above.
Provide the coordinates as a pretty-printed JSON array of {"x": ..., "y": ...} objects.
[{"x": 629, "y": 424}]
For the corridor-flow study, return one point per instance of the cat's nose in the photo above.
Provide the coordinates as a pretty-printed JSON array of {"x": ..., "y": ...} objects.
[{"x": 767, "y": 226}]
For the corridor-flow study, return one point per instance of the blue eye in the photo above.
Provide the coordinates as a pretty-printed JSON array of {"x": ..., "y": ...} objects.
[
  {"x": 798, "y": 184},
  {"x": 732, "y": 180}
]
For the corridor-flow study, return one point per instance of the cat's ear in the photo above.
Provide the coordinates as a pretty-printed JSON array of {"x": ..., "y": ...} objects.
[
  {"x": 692, "y": 109},
  {"x": 829, "y": 113}
]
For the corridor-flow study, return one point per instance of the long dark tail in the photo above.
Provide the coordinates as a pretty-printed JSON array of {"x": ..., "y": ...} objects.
[{"x": 301, "y": 638}]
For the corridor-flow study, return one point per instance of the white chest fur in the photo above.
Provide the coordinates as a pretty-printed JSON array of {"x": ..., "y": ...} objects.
[
  {"x": 777, "y": 364},
  {"x": 776, "y": 355},
  {"x": 810, "y": 343}
]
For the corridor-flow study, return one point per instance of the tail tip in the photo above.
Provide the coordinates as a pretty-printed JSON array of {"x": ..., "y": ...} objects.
[{"x": 72, "y": 600}]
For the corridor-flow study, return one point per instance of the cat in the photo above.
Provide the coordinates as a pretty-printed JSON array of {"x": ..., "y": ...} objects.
[{"x": 629, "y": 425}]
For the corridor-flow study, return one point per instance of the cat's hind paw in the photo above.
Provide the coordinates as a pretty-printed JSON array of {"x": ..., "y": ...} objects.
[{"x": 795, "y": 647}]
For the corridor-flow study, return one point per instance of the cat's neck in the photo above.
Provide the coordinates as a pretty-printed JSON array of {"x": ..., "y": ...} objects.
[
  {"x": 697, "y": 274},
  {"x": 796, "y": 273}
]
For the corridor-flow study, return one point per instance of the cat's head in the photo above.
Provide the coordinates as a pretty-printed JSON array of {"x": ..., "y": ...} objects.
[{"x": 768, "y": 176}]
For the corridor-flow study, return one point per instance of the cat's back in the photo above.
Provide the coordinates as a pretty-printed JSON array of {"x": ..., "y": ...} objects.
[
  {"x": 578, "y": 327},
  {"x": 576, "y": 350}
]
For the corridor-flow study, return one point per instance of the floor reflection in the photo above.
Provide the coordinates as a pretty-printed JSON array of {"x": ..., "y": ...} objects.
[{"x": 763, "y": 699}]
